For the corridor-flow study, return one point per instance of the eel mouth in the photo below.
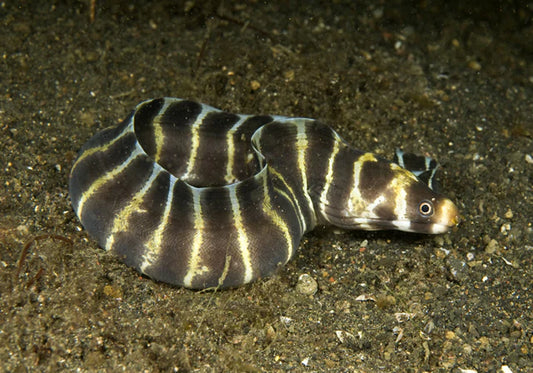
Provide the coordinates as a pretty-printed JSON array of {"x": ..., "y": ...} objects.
[{"x": 446, "y": 217}]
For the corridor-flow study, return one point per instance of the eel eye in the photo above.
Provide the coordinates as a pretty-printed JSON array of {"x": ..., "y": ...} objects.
[{"x": 425, "y": 208}]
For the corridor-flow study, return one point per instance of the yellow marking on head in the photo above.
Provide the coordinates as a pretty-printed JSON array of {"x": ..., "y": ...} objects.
[
  {"x": 398, "y": 185},
  {"x": 400, "y": 204},
  {"x": 408, "y": 175}
]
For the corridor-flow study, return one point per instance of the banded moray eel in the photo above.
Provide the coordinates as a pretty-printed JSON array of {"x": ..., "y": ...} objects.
[{"x": 194, "y": 196}]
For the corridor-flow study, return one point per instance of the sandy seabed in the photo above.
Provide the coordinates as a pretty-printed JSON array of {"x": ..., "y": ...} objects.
[{"x": 451, "y": 81}]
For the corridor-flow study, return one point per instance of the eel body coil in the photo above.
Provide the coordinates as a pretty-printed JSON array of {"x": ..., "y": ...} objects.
[{"x": 194, "y": 196}]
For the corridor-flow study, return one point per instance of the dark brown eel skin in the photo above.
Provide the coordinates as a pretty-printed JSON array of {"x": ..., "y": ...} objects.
[{"x": 194, "y": 196}]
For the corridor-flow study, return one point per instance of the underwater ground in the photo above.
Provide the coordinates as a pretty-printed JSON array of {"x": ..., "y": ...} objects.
[{"x": 438, "y": 78}]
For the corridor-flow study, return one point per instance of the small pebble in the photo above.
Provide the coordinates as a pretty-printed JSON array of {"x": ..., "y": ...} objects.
[
  {"x": 23, "y": 229},
  {"x": 113, "y": 291},
  {"x": 306, "y": 285},
  {"x": 270, "y": 333},
  {"x": 491, "y": 247},
  {"x": 449, "y": 334},
  {"x": 289, "y": 75},
  {"x": 255, "y": 85},
  {"x": 384, "y": 301},
  {"x": 474, "y": 65},
  {"x": 344, "y": 336},
  {"x": 505, "y": 228}
]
